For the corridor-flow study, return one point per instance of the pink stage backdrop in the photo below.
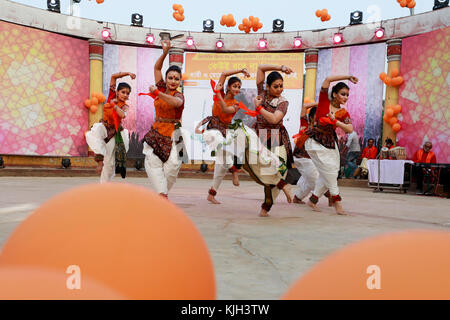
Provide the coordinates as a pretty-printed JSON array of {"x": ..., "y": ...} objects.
[
  {"x": 425, "y": 95},
  {"x": 44, "y": 80}
]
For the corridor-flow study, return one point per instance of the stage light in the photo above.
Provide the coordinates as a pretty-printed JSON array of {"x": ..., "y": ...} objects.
[
  {"x": 356, "y": 17},
  {"x": 262, "y": 44},
  {"x": 338, "y": 38},
  {"x": 219, "y": 44},
  {"x": 208, "y": 25},
  {"x": 106, "y": 33},
  {"x": 278, "y": 25},
  {"x": 54, "y": 6},
  {"x": 379, "y": 33},
  {"x": 439, "y": 4},
  {"x": 137, "y": 20},
  {"x": 150, "y": 38},
  {"x": 298, "y": 42},
  {"x": 65, "y": 163},
  {"x": 190, "y": 41}
]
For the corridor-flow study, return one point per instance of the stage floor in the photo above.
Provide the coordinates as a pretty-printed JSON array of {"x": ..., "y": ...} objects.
[{"x": 255, "y": 258}]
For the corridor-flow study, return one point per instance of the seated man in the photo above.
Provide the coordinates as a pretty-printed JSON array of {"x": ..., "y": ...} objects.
[
  {"x": 389, "y": 144},
  {"x": 424, "y": 155},
  {"x": 369, "y": 152}
]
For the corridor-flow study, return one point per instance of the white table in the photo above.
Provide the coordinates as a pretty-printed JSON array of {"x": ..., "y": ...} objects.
[{"x": 392, "y": 173}]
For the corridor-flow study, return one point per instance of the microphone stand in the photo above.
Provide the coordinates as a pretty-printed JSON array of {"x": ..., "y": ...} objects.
[{"x": 378, "y": 189}]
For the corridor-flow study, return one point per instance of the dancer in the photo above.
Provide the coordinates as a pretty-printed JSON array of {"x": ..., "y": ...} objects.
[
  {"x": 224, "y": 108},
  {"x": 108, "y": 139},
  {"x": 163, "y": 144},
  {"x": 321, "y": 141},
  {"x": 272, "y": 107},
  {"x": 303, "y": 162}
]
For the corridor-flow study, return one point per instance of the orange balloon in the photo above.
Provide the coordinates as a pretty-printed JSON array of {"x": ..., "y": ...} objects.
[
  {"x": 412, "y": 4},
  {"x": 93, "y": 108},
  {"x": 324, "y": 12},
  {"x": 397, "y": 108},
  {"x": 176, "y": 15},
  {"x": 409, "y": 265},
  {"x": 386, "y": 118},
  {"x": 175, "y": 6},
  {"x": 255, "y": 28},
  {"x": 246, "y": 22},
  {"x": 94, "y": 100},
  {"x": 400, "y": 79},
  {"x": 318, "y": 13},
  {"x": 383, "y": 76},
  {"x": 328, "y": 17},
  {"x": 181, "y": 18},
  {"x": 260, "y": 25},
  {"x": 393, "y": 121},
  {"x": 241, "y": 27},
  {"x": 100, "y": 1},
  {"x": 247, "y": 30},
  {"x": 142, "y": 248},
  {"x": 180, "y": 10},
  {"x": 101, "y": 98},
  {"x": 395, "y": 73},
  {"x": 87, "y": 103},
  {"x": 388, "y": 81},
  {"x": 403, "y": 3},
  {"x": 396, "y": 127},
  {"x": 389, "y": 112},
  {"x": 31, "y": 283},
  {"x": 233, "y": 24},
  {"x": 323, "y": 18}
]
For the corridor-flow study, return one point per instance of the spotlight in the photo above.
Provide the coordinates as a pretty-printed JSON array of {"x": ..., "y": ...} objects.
[
  {"x": 190, "y": 41},
  {"x": 262, "y": 44},
  {"x": 379, "y": 33},
  {"x": 338, "y": 38},
  {"x": 137, "y": 19},
  {"x": 54, "y": 6},
  {"x": 298, "y": 42},
  {"x": 65, "y": 163},
  {"x": 439, "y": 4},
  {"x": 208, "y": 25},
  {"x": 106, "y": 33},
  {"x": 278, "y": 25},
  {"x": 356, "y": 17},
  {"x": 2, "y": 163},
  {"x": 219, "y": 44},
  {"x": 150, "y": 38}
]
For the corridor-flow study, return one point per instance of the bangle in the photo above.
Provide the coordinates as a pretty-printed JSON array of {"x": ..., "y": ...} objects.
[
  {"x": 156, "y": 92},
  {"x": 259, "y": 108}
]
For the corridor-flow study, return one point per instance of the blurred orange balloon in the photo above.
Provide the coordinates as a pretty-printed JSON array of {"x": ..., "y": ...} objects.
[
  {"x": 87, "y": 103},
  {"x": 30, "y": 283},
  {"x": 181, "y": 18},
  {"x": 241, "y": 27},
  {"x": 400, "y": 80},
  {"x": 394, "y": 73},
  {"x": 246, "y": 22},
  {"x": 403, "y": 3},
  {"x": 180, "y": 10},
  {"x": 396, "y": 127},
  {"x": 388, "y": 81},
  {"x": 389, "y": 112},
  {"x": 100, "y": 1},
  {"x": 101, "y": 98},
  {"x": 383, "y": 76},
  {"x": 412, "y": 4},
  {"x": 386, "y": 118},
  {"x": 93, "y": 108},
  {"x": 393, "y": 121},
  {"x": 318, "y": 13},
  {"x": 397, "y": 108},
  {"x": 94, "y": 101},
  {"x": 409, "y": 265},
  {"x": 143, "y": 247}
]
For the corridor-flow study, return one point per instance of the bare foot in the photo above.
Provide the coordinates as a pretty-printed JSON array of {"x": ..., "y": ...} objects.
[
  {"x": 99, "y": 167},
  {"x": 297, "y": 200},
  {"x": 338, "y": 207},
  {"x": 212, "y": 199},
  {"x": 263, "y": 213},
  {"x": 287, "y": 193},
  {"x": 330, "y": 201},
  {"x": 313, "y": 206},
  {"x": 235, "y": 179}
]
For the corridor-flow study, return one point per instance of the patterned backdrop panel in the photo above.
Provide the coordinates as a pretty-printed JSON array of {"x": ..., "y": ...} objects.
[
  {"x": 140, "y": 61},
  {"x": 425, "y": 94},
  {"x": 366, "y": 98},
  {"x": 45, "y": 80}
]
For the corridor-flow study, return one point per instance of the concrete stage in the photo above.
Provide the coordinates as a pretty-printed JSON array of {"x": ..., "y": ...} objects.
[{"x": 254, "y": 258}]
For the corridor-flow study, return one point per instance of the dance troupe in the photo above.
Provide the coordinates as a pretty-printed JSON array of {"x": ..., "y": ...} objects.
[{"x": 264, "y": 150}]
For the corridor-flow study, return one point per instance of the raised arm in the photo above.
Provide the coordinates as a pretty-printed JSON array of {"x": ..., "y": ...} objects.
[
  {"x": 223, "y": 105},
  {"x": 263, "y": 68},
  {"x": 225, "y": 74},
  {"x": 307, "y": 106},
  {"x": 328, "y": 80},
  {"x": 272, "y": 118},
  {"x": 118, "y": 75},
  {"x": 159, "y": 63}
]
